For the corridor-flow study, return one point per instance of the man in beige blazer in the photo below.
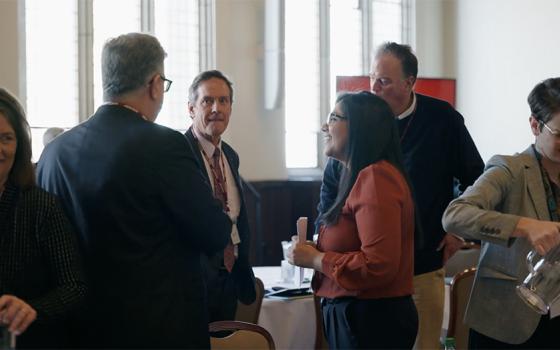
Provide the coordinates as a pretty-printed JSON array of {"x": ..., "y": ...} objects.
[{"x": 513, "y": 208}]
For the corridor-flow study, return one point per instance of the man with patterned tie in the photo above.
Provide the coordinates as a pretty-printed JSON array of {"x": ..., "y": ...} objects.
[{"x": 229, "y": 275}]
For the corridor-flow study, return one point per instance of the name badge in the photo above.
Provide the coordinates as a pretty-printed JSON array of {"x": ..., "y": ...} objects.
[{"x": 235, "y": 239}]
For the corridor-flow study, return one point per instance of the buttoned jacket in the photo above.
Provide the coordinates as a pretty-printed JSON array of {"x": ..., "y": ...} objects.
[
  {"x": 145, "y": 215},
  {"x": 242, "y": 272},
  {"x": 511, "y": 187}
]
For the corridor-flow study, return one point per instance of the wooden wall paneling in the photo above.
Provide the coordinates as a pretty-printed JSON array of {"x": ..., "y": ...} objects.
[{"x": 281, "y": 203}]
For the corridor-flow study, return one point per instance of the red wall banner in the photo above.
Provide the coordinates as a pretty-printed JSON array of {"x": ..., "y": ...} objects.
[{"x": 443, "y": 89}]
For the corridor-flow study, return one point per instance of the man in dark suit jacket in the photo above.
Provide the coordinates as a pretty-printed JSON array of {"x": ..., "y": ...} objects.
[
  {"x": 210, "y": 102},
  {"x": 144, "y": 211}
]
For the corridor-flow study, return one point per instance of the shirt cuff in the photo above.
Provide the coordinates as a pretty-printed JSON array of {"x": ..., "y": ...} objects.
[{"x": 329, "y": 263}]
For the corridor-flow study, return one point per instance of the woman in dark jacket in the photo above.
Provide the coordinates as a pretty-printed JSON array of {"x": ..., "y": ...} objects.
[{"x": 41, "y": 279}]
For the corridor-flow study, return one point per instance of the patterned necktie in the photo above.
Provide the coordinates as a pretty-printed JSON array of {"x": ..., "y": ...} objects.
[{"x": 221, "y": 194}]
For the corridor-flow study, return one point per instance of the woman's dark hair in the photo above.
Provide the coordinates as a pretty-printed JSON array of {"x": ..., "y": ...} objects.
[
  {"x": 544, "y": 100},
  {"x": 372, "y": 136},
  {"x": 22, "y": 173}
]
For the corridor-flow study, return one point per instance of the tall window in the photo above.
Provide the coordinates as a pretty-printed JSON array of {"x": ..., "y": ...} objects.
[
  {"x": 302, "y": 82},
  {"x": 108, "y": 22},
  {"x": 63, "y": 76},
  {"x": 387, "y": 21},
  {"x": 52, "y": 66},
  {"x": 325, "y": 39},
  {"x": 177, "y": 27},
  {"x": 346, "y": 41}
]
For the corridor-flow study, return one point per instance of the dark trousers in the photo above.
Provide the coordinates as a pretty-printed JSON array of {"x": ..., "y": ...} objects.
[
  {"x": 388, "y": 323},
  {"x": 546, "y": 336},
  {"x": 222, "y": 296}
]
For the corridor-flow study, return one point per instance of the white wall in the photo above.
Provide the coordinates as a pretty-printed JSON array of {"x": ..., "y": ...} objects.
[
  {"x": 504, "y": 47},
  {"x": 497, "y": 50},
  {"x": 256, "y": 134},
  {"x": 9, "y": 48},
  {"x": 435, "y": 38}
]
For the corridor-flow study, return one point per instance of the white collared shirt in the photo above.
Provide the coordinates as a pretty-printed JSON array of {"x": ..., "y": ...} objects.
[
  {"x": 234, "y": 201},
  {"x": 409, "y": 110}
]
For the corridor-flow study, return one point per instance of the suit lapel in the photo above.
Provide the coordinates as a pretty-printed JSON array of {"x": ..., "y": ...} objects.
[
  {"x": 228, "y": 152},
  {"x": 534, "y": 184},
  {"x": 193, "y": 143}
]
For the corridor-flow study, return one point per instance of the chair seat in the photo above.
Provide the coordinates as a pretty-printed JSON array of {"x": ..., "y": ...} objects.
[
  {"x": 460, "y": 294},
  {"x": 244, "y": 336},
  {"x": 250, "y": 313},
  {"x": 462, "y": 260}
]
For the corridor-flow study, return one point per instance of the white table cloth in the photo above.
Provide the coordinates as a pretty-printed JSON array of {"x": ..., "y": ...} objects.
[{"x": 291, "y": 322}]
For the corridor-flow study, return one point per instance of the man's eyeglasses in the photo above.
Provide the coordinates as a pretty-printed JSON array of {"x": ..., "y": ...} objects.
[
  {"x": 553, "y": 132},
  {"x": 333, "y": 118},
  {"x": 382, "y": 81},
  {"x": 166, "y": 83}
]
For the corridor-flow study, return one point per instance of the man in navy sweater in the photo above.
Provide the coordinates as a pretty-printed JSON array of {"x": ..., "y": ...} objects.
[{"x": 438, "y": 154}]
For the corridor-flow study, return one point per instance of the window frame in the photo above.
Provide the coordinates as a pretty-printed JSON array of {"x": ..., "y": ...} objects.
[
  {"x": 324, "y": 59},
  {"x": 85, "y": 48}
]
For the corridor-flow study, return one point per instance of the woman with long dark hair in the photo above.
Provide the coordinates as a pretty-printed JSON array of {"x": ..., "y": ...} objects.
[
  {"x": 364, "y": 256},
  {"x": 41, "y": 279}
]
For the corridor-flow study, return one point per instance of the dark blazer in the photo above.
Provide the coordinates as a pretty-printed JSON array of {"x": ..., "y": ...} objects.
[
  {"x": 40, "y": 264},
  {"x": 242, "y": 272},
  {"x": 145, "y": 214}
]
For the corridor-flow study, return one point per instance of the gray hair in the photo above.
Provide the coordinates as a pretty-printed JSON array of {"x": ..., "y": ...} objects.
[
  {"x": 128, "y": 61},
  {"x": 404, "y": 54},
  {"x": 50, "y": 134},
  {"x": 207, "y": 75}
]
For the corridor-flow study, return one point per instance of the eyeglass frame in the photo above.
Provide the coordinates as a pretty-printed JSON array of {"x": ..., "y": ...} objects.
[
  {"x": 555, "y": 133},
  {"x": 383, "y": 82},
  {"x": 166, "y": 83},
  {"x": 333, "y": 117}
]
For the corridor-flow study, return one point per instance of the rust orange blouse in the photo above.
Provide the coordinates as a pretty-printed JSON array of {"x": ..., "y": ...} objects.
[{"x": 369, "y": 251}]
